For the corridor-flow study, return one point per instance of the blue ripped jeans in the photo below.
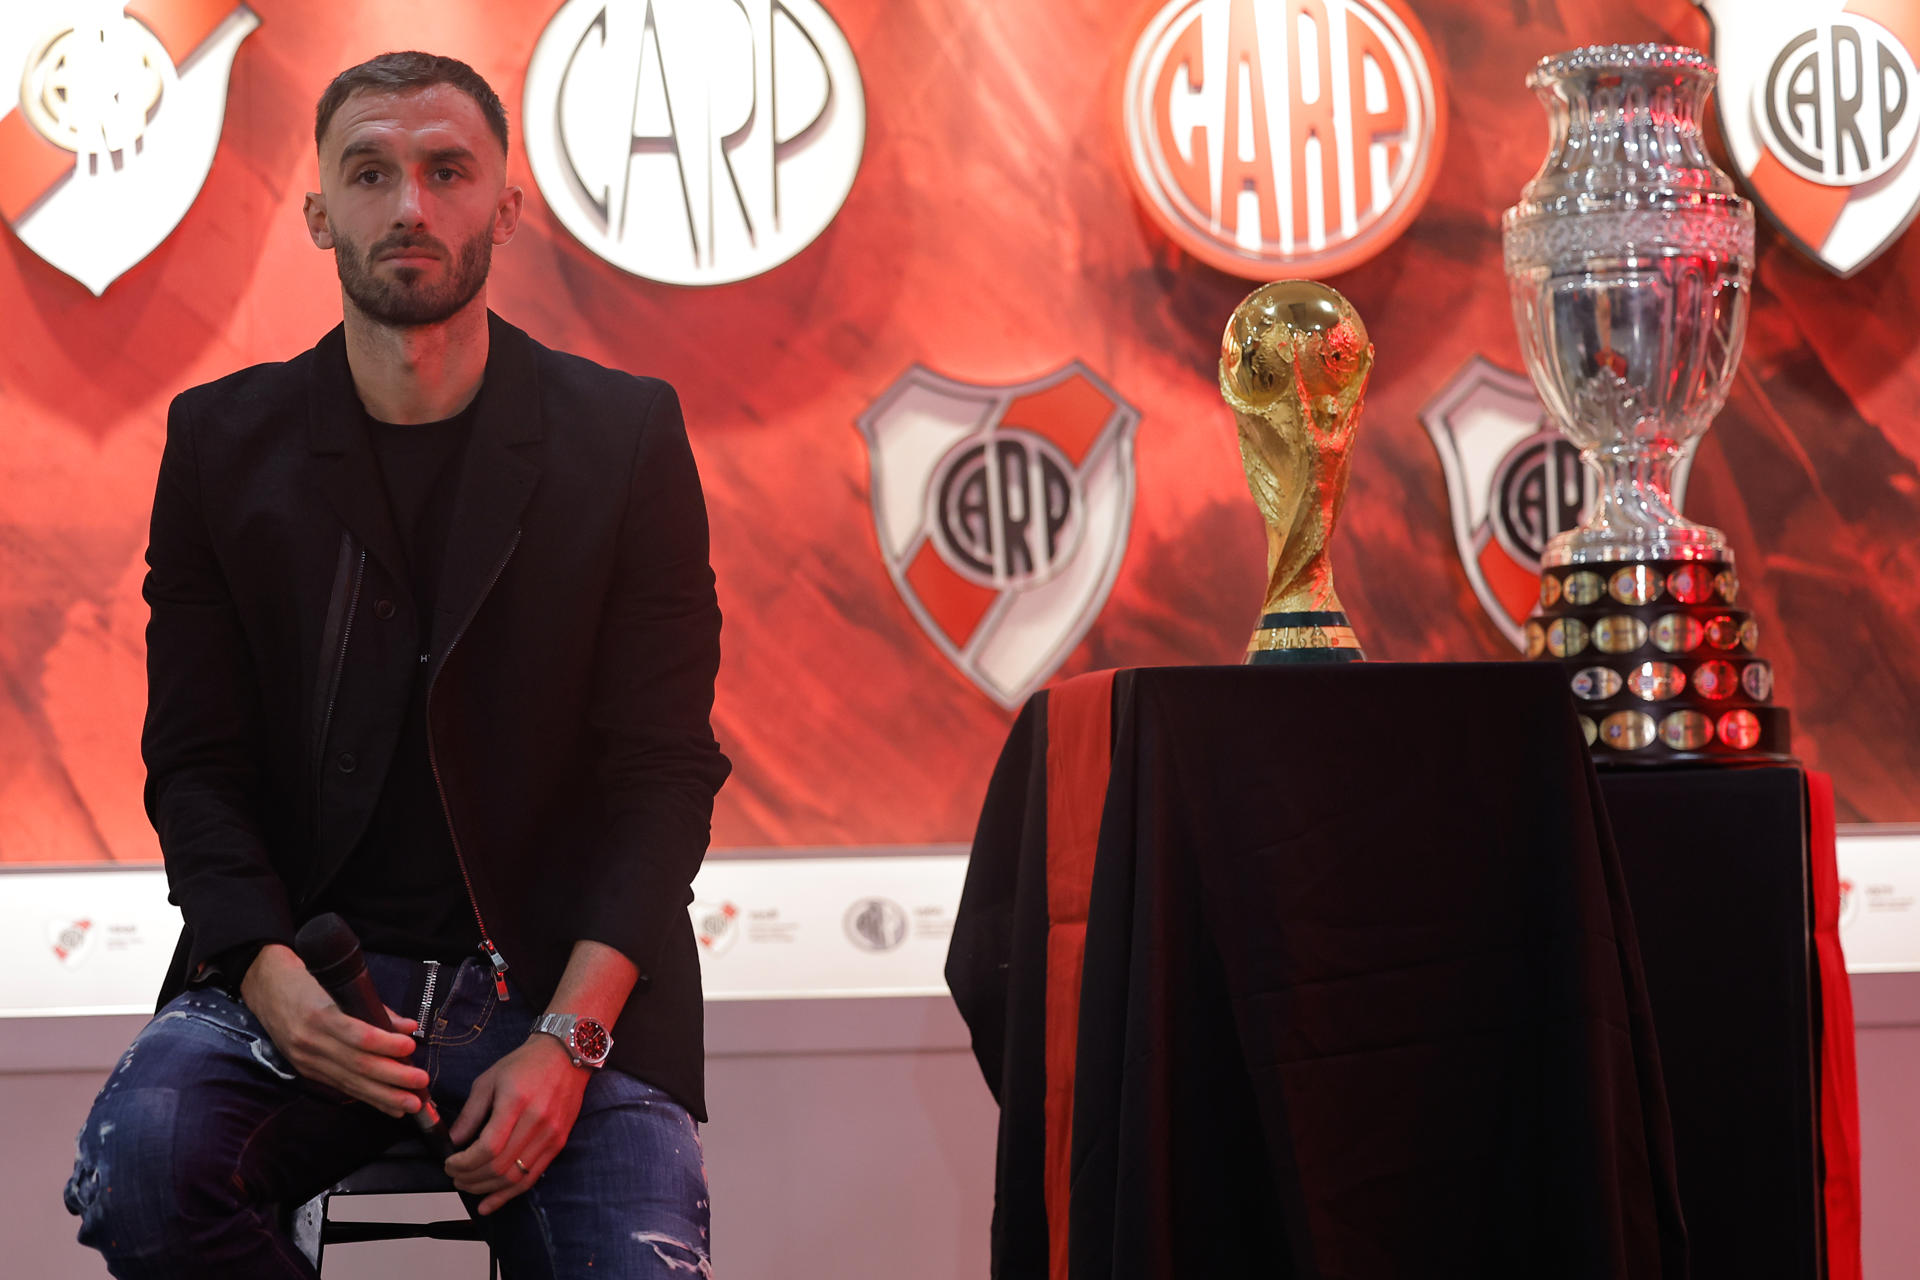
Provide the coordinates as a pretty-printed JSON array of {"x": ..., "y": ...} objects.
[{"x": 203, "y": 1140}]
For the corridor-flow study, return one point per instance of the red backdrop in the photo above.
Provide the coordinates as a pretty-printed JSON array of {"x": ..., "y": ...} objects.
[{"x": 991, "y": 235}]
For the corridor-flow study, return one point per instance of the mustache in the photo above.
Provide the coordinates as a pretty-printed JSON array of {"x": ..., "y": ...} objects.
[{"x": 406, "y": 241}]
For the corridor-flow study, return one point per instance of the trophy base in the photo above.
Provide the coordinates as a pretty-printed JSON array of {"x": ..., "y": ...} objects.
[
  {"x": 1293, "y": 637},
  {"x": 1663, "y": 667},
  {"x": 1694, "y": 542}
]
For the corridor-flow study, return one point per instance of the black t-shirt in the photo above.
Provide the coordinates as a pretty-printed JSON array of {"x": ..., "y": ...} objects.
[{"x": 401, "y": 889}]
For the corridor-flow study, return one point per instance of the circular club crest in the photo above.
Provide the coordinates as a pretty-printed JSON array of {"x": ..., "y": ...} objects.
[
  {"x": 1277, "y": 136},
  {"x": 94, "y": 88},
  {"x": 1836, "y": 105},
  {"x": 694, "y": 143},
  {"x": 716, "y": 926},
  {"x": 876, "y": 924},
  {"x": 1539, "y": 489},
  {"x": 112, "y": 115},
  {"x": 1007, "y": 511}
]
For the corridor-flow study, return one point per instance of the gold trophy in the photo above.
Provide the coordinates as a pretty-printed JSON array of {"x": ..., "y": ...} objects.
[{"x": 1294, "y": 363}]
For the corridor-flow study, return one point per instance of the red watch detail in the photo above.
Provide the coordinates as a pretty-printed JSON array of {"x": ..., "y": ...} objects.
[{"x": 590, "y": 1040}]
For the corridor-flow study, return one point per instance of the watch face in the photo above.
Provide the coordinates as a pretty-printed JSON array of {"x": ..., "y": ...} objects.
[{"x": 590, "y": 1040}]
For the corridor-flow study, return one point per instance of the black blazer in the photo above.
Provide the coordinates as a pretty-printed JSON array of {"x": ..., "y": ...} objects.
[{"x": 572, "y": 659}]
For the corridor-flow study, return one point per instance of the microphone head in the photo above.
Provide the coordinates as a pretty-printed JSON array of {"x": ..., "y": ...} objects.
[{"x": 329, "y": 948}]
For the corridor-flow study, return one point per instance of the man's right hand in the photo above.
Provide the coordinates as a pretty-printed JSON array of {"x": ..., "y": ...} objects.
[{"x": 326, "y": 1044}]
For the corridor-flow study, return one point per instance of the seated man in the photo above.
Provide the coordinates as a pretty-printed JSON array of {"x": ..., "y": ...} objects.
[{"x": 433, "y": 645}]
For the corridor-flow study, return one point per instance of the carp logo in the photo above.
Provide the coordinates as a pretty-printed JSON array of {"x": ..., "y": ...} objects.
[
  {"x": 109, "y": 118},
  {"x": 694, "y": 142},
  {"x": 876, "y": 924},
  {"x": 1002, "y": 514},
  {"x": 1820, "y": 106},
  {"x": 1273, "y": 137},
  {"x": 1512, "y": 483},
  {"x": 716, "y": 925},
  {"x": 70, "y": 940},
  {"x": 1850, "y": 899}
]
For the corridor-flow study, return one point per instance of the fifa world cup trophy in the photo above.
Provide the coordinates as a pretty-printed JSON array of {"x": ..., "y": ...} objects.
[
  {"x": 1630, "y": 259},
  {"x": 1294, "y": 363}
]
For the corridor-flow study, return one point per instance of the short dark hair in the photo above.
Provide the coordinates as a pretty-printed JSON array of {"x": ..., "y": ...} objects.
[{"x": 400, "y": 72}]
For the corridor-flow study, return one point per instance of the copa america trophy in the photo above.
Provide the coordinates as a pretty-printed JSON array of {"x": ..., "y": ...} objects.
[
  {"x": 1629, "y": 259},
  {"x": 1294, "y": 362}
]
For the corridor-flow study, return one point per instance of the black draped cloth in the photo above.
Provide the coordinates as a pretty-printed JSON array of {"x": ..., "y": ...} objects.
[{"x": 1361, "y": 993}]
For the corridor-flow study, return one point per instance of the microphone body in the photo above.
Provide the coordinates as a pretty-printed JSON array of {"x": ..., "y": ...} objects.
[{"x": 327, "y": 946}]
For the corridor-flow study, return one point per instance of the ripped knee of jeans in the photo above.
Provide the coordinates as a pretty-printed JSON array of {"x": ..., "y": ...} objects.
[
  {"x": 123, "y": 1175},
  {"x": 678, "y": 1255}
]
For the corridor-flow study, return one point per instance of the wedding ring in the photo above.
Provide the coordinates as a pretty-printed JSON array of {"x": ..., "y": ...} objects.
[{"x": 523, "y": 1166}]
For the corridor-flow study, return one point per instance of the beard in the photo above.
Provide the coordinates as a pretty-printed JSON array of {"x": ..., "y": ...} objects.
[{"x": 406, "y": 301}]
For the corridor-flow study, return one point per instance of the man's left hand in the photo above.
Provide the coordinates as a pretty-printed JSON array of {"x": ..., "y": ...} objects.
[{"x": 528, "y": 1102}]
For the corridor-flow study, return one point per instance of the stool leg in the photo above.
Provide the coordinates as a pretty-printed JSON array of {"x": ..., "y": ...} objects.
[{"x": 305, "y": 1228}]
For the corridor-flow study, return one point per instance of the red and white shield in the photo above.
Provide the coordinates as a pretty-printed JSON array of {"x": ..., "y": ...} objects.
[
  {"x": 109, "y": 117},
  {"x": 1002, "y": 514},
  {"x": 1513, "y": 482},
  {"x": 1820, "y": 105}
]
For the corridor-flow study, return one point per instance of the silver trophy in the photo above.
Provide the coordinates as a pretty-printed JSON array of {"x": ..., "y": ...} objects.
[{"x": 1629, "y": 259}]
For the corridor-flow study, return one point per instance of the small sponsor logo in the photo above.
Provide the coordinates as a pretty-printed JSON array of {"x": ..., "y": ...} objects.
[
  {"x": 1820, "y": 106},
  {"x": 694, "y": 142},
  {"x": 108, "y": 129},
  {"x": 1002, "y": 514},
  {"x": 876, "y": 924},
  {"x": 1275, "y": 137},
  {"x": 716, "y": 926},
  {"x": 1513, "y": 482},
  {"x": 71, "y": 940}
]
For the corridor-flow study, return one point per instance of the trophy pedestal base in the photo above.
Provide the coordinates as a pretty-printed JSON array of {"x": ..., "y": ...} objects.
[
  {"x": 1663, "y": 667},
  {"x": 1293, "y": 637}
]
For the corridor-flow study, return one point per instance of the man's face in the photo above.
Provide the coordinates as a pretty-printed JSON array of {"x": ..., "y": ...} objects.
[{"x": 413, "y": 198}]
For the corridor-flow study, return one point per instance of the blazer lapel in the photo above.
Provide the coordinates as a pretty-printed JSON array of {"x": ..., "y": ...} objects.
[
  {"x": 349, "y": 473},
  {"x": 497, "y": 477}
]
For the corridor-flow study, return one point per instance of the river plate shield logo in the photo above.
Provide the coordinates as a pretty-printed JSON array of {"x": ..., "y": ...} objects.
[
  {"x": 1512, "y": 483},
  {"x": 109, "y": 118},
  {"x": 1283, "y": 137},
  {"x": 1002, "y": 514},
  {"x": 694, "y": 142},
  {"x": 1820, "y": 105}
]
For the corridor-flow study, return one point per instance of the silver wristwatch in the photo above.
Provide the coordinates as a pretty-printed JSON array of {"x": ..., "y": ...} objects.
[{"x": 588, "y": 1042}]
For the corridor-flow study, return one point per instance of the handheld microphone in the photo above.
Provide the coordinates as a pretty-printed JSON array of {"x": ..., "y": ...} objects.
[{"x": 327, "y": 946}]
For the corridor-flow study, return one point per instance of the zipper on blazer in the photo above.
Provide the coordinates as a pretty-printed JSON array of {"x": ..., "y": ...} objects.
[
  {"x": 340, "y": 663},
  {"x": 494, "y": 958},
  {"x": 426, "y": 999}
]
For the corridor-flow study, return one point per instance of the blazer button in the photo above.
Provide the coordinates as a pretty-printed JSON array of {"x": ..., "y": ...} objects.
[
  {"x": 347, "y": 762},
  {"x": 383, "y": 609}
]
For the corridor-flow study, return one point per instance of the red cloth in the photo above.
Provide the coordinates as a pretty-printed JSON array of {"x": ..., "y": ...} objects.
[
  {"x": 1079, "y": 763},
  {"x": 1839, "y": 1094}
]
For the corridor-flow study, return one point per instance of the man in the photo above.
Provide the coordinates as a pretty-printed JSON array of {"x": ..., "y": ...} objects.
[{"x": 433, "y": 644}]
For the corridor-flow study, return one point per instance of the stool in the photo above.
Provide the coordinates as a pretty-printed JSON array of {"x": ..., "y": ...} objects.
[{"x": 404, "y": 1168}]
